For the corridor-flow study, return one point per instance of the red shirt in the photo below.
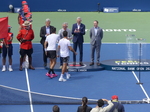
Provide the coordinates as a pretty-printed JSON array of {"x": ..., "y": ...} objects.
[
  {"x": 6, "y": 40},
  {"x": 21, "y": 21},
  {"x": 26, "y": 35}
]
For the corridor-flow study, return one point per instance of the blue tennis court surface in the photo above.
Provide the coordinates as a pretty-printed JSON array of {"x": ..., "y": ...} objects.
[{"x": 94, "y": 85}]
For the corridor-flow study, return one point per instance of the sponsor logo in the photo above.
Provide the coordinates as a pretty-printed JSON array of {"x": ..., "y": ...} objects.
[
  {"x": 77, "y": 68},
  {"x": 111, "y": 9},
  {"x": 136, "y": 10},
  {"x": 61, "y": 10}
]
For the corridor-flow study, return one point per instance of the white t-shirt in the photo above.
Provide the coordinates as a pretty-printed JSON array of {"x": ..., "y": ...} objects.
[
  {"x": 64, "y": 50},
  {"x": 52, "y": 40}
]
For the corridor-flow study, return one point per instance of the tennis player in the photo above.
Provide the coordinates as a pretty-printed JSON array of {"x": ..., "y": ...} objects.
[
  {"x": 64, "y": 47},
  {"x": 50, "y": 51}
]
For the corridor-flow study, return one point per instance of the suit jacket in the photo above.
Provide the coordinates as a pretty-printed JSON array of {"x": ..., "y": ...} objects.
[
  {"x": 88, "y": 109},
  {"x": 96, "y": 38},
  {"x": 78, "y": 37},
  {"x": 43, "y": 33}
]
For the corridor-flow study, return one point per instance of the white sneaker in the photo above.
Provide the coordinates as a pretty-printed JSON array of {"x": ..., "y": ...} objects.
[
  {"x": 10, "y": 69},
  {"x": 67, "y": 76},
  {"x": 62, "y": 79},
  {"x": 3, "y": 69}
]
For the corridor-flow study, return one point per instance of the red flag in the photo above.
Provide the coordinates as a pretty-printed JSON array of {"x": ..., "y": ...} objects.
[{"x": 3, "y": 27}]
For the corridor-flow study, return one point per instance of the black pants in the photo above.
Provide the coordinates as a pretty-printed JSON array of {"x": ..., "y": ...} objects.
[
  {"x": 80, "y": 45},
  {"x": 44, "y": 55},
  {"x": 24, "y": 52}
]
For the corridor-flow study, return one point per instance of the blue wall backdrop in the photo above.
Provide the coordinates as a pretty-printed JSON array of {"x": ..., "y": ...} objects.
[{"x": 77, "y": 5}]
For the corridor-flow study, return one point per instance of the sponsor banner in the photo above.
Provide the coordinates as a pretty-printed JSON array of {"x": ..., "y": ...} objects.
[
  {"x": 16, "y": 9},
  {"x": 130, "y": 68},
  {"x": 132, "y": 63},
  {"x": 126, "y": 65},
  {"x": 110, "y": 9}
]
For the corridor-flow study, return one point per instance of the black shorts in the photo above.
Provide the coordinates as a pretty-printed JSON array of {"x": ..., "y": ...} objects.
[
  {"x": 51, "y": 54},
  {"x": 24, "y": 52},
  {"x": 65, "y": 59},
  {"x": 8, "y": 51}
]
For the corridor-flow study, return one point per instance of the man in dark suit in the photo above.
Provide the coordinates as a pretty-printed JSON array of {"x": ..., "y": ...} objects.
[
  {"x": 44, "y": 32},
  {"x": 96, "y": 35},
  {"x": 78, "y": 30}
]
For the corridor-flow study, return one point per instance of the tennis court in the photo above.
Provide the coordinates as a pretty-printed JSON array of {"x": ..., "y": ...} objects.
[{"x": 94, "y": 85}]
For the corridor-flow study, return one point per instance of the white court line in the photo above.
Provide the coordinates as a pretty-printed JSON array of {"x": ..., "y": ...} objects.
[
  {"x": 56, "y": 96},
  {"x": 148, "y": 99},
  {"x": 29, "y": 92}
]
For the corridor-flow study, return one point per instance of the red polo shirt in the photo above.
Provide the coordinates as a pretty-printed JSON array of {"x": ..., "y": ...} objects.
[
  {"x": 6, "y": 40},
  {"x": 27, "y": 35}
]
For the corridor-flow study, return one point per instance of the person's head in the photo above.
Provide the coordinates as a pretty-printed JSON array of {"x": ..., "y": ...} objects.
[
  {"x": 9, "y": 28},
  {"x": 79, "y": 20},
  {"x": 24, "y": 3},
  {"x": 56, "y": 108},
  {"x": 114, "y": 98},
  {"x": 100, "y": 103},
  {"x": 65, "y": 25},
  {"x": 54, "y": 30},
  {"x": 84, "y": 100},
  {"x": 26, "y": 9},
  {"x": 26, "y": 25},
  {"x": 65, "y": 33},
  {"x": 84, "y": 103},
  {"x": 95, "y": 23},
  {"x": 47, "y": 22}
]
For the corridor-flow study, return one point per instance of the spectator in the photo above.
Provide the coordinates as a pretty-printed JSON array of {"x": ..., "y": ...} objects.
[
  {"x": 118, "y": 107},
  {"x": 100, "y": 104},
  {"x": 60, "y": 33},
  {"x": 44, "y": 32},
  {"x": 56, "y": 108},
  {"x": 7, "y": 50},
  {"x": 84, "y": 107}
]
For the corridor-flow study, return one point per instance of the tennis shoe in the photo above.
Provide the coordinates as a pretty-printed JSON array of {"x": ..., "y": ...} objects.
[
  {"x": 67, "y": 76},
  {"x": 62, "y": 79},
  {"x": 3, "y": 69},
  {"x": 54, "y": 75},
  {"x": 49, "y": 75},
  {"x": 10, "y": 69}
]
